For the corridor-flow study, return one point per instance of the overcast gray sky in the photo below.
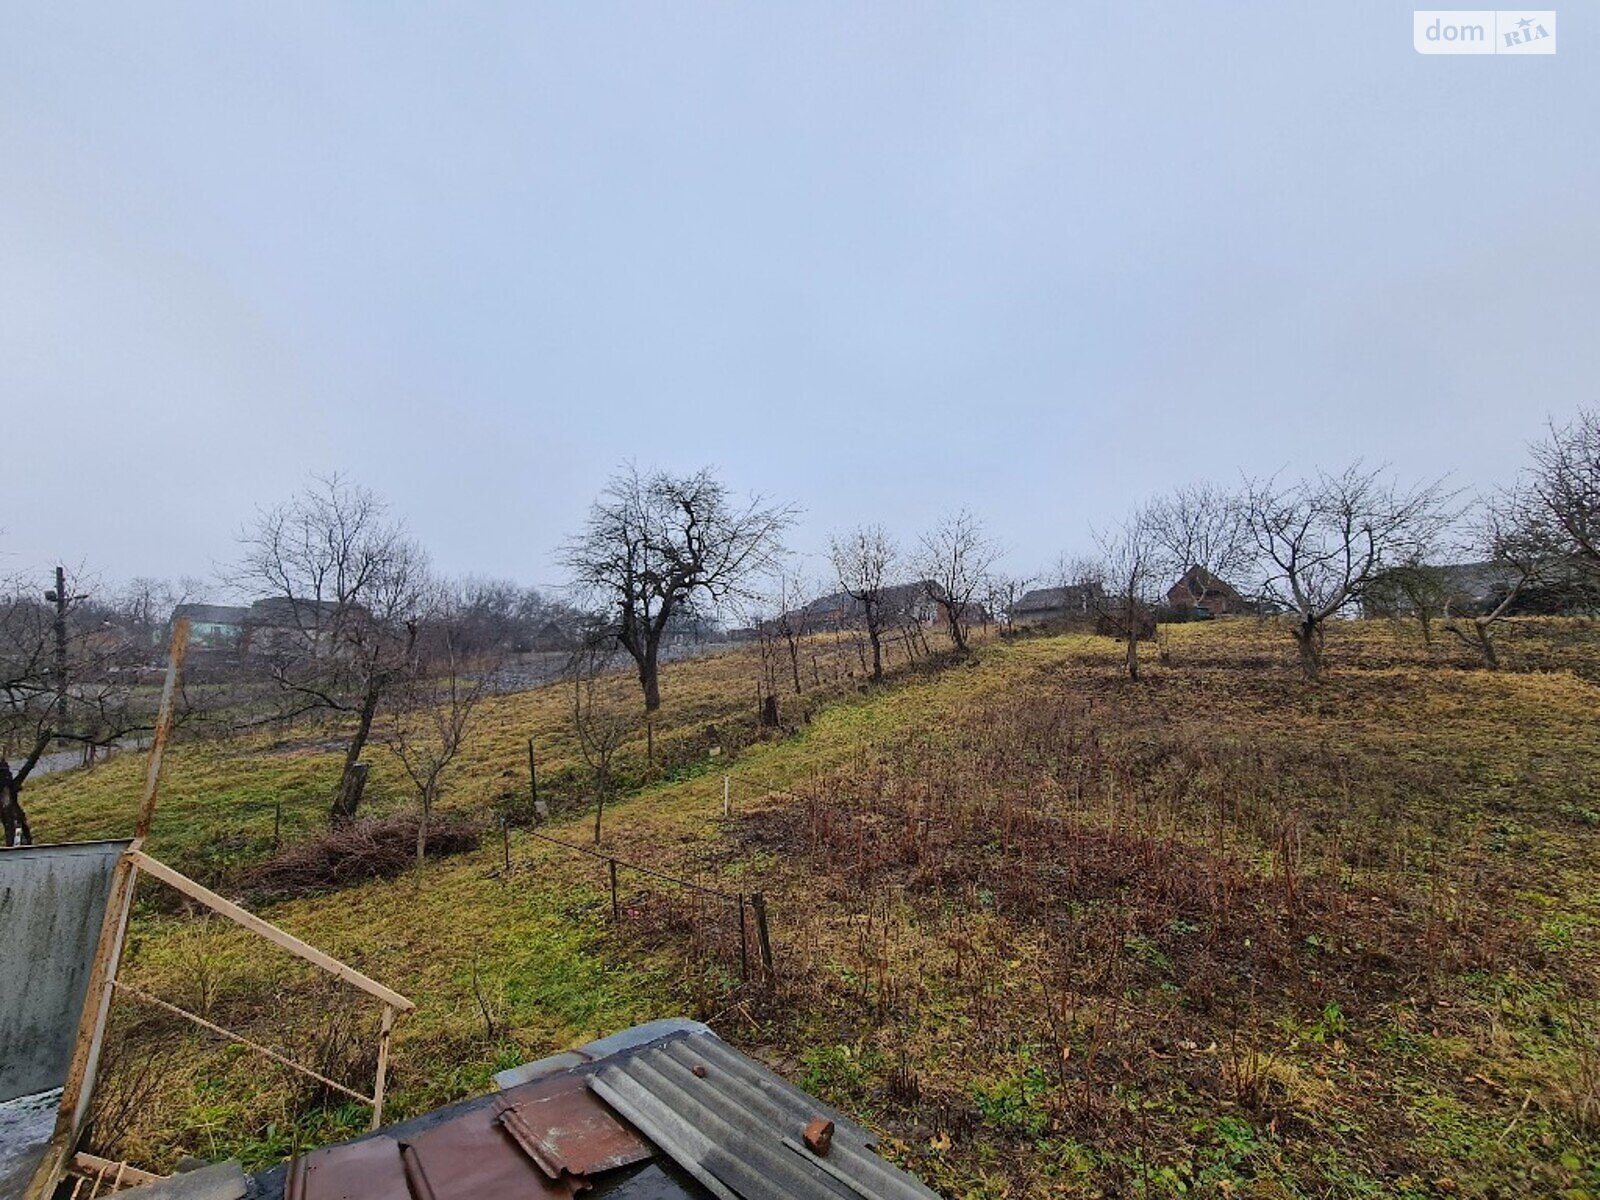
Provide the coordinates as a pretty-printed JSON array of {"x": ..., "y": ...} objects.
[{"x": 878, "y": 259}]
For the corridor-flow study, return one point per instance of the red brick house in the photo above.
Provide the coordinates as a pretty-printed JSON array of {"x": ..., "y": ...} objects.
[{"x": 1199, "y": 588}]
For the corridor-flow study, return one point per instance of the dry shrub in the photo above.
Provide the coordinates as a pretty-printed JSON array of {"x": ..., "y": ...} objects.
[
  {"x": 374, "y": 848},
  {"x": 1580, "y": 1092}
]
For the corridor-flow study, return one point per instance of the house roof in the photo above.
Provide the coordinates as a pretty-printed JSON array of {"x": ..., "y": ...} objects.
[
  {"x": 212, "y": 614},
  {"x": 665, "y": 1110},
  {"x": 293, "y": 613},
  {"x": 1052, "y": 598},
  {"x": 895, "y": 595},
  {"x": 1199, "y": 582},
  {"x": 740, "y": 1130}
]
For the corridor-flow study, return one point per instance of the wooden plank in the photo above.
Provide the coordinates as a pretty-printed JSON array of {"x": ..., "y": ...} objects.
[
  {"x": 380, "y": 1083},
  {"x": 93, "y": 1164},
  {"x": 269, "y": 931},
  {"x": 158, "y": 741}
]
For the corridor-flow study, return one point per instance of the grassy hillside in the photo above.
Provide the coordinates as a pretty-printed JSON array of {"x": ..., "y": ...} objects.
[{"x": 1050, "y": 932}]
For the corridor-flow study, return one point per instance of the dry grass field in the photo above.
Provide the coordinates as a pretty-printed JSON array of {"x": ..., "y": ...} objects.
[{"x": 1218, "y": 932}]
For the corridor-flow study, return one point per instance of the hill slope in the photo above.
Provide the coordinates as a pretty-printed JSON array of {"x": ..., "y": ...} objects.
[{"x": 1049, "y": 931}]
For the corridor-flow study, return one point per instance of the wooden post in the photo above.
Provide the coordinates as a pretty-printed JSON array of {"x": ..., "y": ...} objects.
[
  {"x": 505, "y": 839},
  {"x": 277, "y": 824},
  {"x": 533, "y": 778},
  {"x": 759, "y": 903},
  {"x": 158, "y": 741},
  {"x": 381, "y": 1082},
  {"x": 744, "y": 942},
  {"x": 727, "y": 801},
  {"x": 616, "y": 910}
]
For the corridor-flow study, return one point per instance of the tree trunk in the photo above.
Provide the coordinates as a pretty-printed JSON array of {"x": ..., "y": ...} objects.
[
  {"x": 956, "y": 632},
  {"x": 794, "y": 663},
  {"x": 1133, "y": 648},
  {"x": 876, "y": 638},
  {"x": 1306, "y": 637},
  {"x": 1486, "y": 643},
  {"x": 650, "y": 676},
  {"x": 351, "y": 787},
  {"x": 599, "y": 802},
  {"x": 348, "y": 798},
  {"x": 12, "y": 816},
  {"x": 422, "y": 837}
]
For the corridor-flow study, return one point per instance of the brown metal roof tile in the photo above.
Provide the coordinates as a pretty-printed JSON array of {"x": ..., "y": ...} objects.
[
  {"x": 473, "y": 1158},
  {"x": 365, "y": 1170},
  {"x": 567, "y": 1131}
]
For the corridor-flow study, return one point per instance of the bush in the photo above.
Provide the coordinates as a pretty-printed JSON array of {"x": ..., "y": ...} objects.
[{"x": 375, "y": 848}]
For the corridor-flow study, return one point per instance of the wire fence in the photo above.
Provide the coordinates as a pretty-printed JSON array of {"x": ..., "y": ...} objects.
[{"x": 751, "y": 906}]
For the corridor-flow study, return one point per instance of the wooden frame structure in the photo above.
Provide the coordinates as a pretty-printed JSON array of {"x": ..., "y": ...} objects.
[{"x": 103, "y": 984}]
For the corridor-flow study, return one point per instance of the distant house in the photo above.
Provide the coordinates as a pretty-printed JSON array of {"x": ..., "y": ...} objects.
[
  {"x": 1074, "y": 604},
  {"x": 1468, "y": 589},
  {"x": 1199, "y": 588},
  {"x": 902, "y": 603},
  {"x": 213, "y": 626},
  {"x": 278, "y": 623}
]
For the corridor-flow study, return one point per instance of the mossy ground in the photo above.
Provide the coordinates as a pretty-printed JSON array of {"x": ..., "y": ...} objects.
[{"x": 1218, "y": 932}]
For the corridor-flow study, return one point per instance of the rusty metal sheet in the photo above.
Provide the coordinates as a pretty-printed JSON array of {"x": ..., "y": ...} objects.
[
  {"x": 567, "y": 1131},
  {"x": 473, "y": 1157},
  {"x": 369, "y": 1169}
]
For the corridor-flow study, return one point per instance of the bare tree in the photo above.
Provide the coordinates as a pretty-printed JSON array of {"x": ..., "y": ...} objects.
[
  {"x": 429, "y": 709},
  {"x": 659, "y": 546},
  {"x": 506, "y": 617},
  {"x": 792, "y": 621},
  {"x": 1325, "y": 539},
  {"x": 1564, "y": 484},
  {"x": 142, "y": 608},
  {"x": 1002, "y": 594},
  {"x": 1205, "y": 526},
  {"x": 601, "y": 717},
  {"x": 1414, "y": 588},
  {"x": 345, "y": 586},
  {"x": 64, "y": 682},
  {"x": 863, "y": 560},
  {"x": 1525, "y": 549},
  {"x": 955, "y": 560},
  {"x": 1127, "y": 573}
]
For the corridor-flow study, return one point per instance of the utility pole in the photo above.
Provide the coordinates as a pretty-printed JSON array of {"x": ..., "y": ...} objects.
[{"x": 62, "y": 600}]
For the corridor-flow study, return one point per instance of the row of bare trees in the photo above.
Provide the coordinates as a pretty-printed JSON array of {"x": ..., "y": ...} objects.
[
  {"x": 66, "y": 682},
  {"x": 1326, "y": 544},
  {"x": 363, "y": 632}
]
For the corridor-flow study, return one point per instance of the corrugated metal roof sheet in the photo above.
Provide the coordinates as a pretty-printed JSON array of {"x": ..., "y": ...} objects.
[
  {"x": 739, "y": 1129},
  {"x": 673, "y": 1117}
]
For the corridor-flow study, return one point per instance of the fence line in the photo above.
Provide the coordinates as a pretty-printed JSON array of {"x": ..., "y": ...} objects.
[{"x": 755, "y": 901}]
